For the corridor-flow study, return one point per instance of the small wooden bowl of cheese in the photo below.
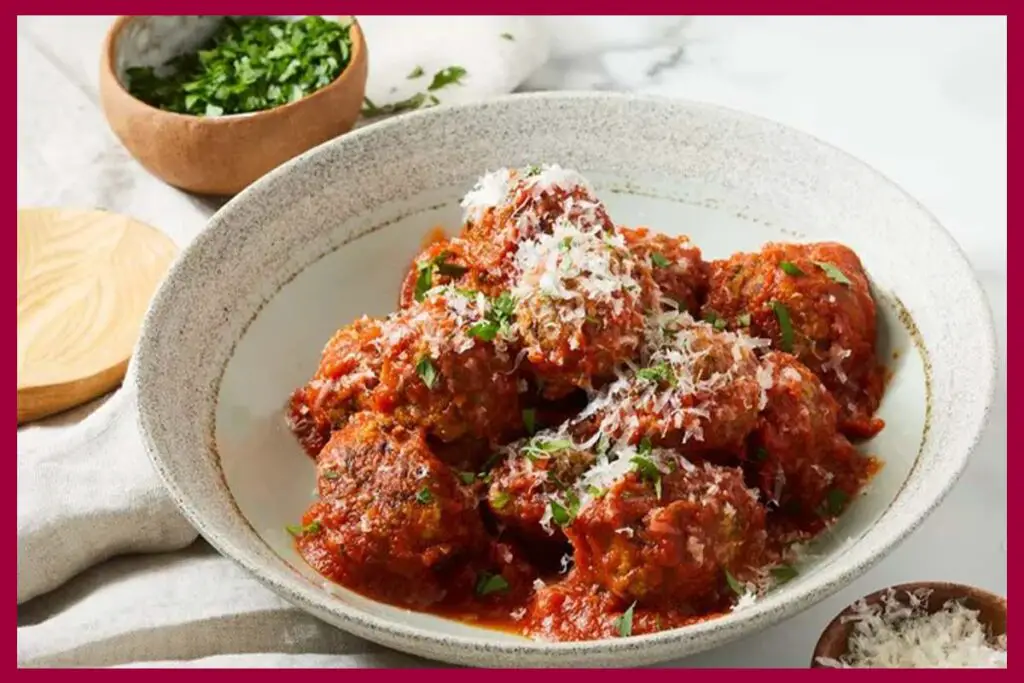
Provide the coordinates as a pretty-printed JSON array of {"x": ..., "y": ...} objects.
[{"x": 917, "y": 625}]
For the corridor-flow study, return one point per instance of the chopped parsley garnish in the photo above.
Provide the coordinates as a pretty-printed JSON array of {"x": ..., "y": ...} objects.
[
  {"x": 427, "y": 372},
  {"x": 712, "y": 319},
  {"x": 249, "y": 64},
  {"x": 488, "y": 583},
  {"x": 564, "y": 514},
  {"x": 439, "y": 264},
  {"x": 648, "y": 471},
  {"x": 445, "y": 77},
  {"x": 624, "y": 623},
  {"x": 734, "y": 585},
  {"x": 424, "y": 496},
  {"x": 783, "y": 573},
  {"x": 498, "y": 318},
  {"x": 833, "y": 272},
  {"x": 504, "y": 305},
  {"x": 331, "y": 474},
  {"x": 743, "y": 319},
  {"x": 485, "y": 330},
  {"x": 785, "y": 326},
  {"x": 659, "y": 260},
  {"x": 541, "y": 447},
  {"x": 424, "y": 279},
  {"x": 448, "y": 269},
  {"x": 499, "y": 500},
  {"x": 302, "y": 530},
  {"x": 467, "y": 477},
  {"x": 835, "y": 501},
  {"x": 658, "y": 373},
  {"x": 790, "y": 268},
  {"x": 645, "y": 446},
  {"x": 530, "y": 420},
  {"x": 532, "y": 171},
  {"x": 508, "y": 36},
  {"x": 594, "y": 491},
  {"x": 449, "y": 76},
  {"x": 372, "y": 110}
]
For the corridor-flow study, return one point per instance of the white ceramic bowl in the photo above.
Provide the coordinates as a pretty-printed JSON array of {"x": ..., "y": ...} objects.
[{"x": 244, "y": 314}]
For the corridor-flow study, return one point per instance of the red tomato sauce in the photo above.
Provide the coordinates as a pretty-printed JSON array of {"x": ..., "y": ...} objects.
[{"x": 454, "y": 440}]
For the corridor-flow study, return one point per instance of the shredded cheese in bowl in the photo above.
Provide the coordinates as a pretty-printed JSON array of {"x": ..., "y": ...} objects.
[{"x": 900, "y": 632}]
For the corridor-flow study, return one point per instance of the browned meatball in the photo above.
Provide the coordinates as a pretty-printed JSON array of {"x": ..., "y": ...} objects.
[
  {"x": 449, "y": 262},
  {"x": 698, "y": 391},
  {"x": 580, "y": 304},
  {"x": 574, "y": 610},
  {"x": 814, "y": 301},
  {"x": 523, "y": 482},
  {"x": 805, "y": 467},
  {"x": 392, "y": 520},
  {"x": 669, "y": 536},
  {"x": 509, "y": 206},
  {"x": 429, "y": 366},
  {"x": 438, "y": 373},
  {"x": 676, "y": 264},
  {"x": 349, "y": 372}
]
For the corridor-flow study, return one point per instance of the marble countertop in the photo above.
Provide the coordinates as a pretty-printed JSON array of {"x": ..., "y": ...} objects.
[{"x": 921, "y": 99}]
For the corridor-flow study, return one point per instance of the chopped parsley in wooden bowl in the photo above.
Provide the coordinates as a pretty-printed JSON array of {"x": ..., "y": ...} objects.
[
  {"x": 249, "y": 64},
  {"x": 211, "y": 103}
]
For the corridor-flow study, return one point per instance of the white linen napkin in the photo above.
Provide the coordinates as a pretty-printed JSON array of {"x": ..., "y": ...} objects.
[{"x": 86, "y": 490}]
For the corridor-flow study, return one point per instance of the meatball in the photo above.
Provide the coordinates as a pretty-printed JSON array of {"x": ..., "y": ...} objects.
[
  {"x": 429, "y": 366},
  {"x": 671, "y": 536},
  {"x": 448, "y": 262},
  {"x": 573, "y": 610},
  {"x": 580, "y": 303},
  {"x": 699, "y": 391},
  {"x": 509, "y": 206},
  {"x": 676, "y": 264},
  {"x": 392, "y": 520},
  {"x": 349, "y": 372},
  {"x": 522, "y": 484},
  {"x": 439, "y": 373},
  {"x": 814, "y": 301},
  {"x": 805, "y": 467}
]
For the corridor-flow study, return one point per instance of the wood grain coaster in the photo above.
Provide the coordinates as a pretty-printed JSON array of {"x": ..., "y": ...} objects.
[{"x": 85, "y": 279}]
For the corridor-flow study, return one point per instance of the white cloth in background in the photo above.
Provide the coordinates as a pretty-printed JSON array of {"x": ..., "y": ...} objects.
[{"x": 86, "y": 490}]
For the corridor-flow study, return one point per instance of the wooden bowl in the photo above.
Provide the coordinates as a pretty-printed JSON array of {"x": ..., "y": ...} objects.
[
  {"x": 991, "y": 612},
  {"x": 216, "y": 155}
]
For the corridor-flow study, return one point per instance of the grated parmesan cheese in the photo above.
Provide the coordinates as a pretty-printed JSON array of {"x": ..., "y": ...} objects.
[
  {"x": 900, "y": 634},
  {"x": 674, "y": 341},
  {"x": 836, "y": 356},
  {"x": 518, "y": 192},
  {"x": 491, "y": 190},
  {"x": 745, "y": 601}
]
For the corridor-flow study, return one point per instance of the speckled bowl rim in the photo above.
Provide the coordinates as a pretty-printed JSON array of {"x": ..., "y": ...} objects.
[{"x": 652, "y": 647}]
